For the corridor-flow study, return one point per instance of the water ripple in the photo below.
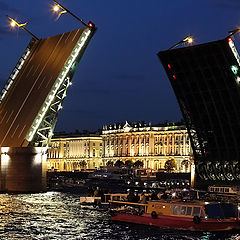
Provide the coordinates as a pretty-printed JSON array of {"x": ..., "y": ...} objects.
[{"x": 53, "y": 215}]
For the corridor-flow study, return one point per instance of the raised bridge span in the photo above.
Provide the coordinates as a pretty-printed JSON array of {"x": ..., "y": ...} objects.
[
  {"x": 29, "y": 105},
  {"x": 206, "y": 82}
]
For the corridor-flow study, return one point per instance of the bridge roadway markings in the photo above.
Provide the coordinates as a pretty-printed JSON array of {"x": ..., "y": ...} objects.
[
  {"x": 9, "y": 116},
  {"x": 29, "y": 71},
  {"x": 50, "y": 79},
  {"x": 41, "y": 82},
  {"x": 75, "y": 35},
  {"x": 21, "y": 131},
  {"x": 36, "y": 70},
  {"x": 3, "y": 117},
  {"x": 14, "y": 131}
]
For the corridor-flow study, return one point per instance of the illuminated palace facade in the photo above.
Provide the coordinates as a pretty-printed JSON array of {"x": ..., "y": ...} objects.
[
  {"x": 75, "y": 152},
  {"x": 152, "y": 145}
]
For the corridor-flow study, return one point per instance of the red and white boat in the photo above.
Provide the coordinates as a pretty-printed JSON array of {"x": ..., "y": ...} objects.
[{"x": 177, "y": 214}]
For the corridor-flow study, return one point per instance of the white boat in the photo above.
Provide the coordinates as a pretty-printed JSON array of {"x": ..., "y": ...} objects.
[{"x": 85, "y": 200}]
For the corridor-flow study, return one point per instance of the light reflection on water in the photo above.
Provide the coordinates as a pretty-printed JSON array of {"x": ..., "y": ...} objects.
[{"x": 55, "y": 215}]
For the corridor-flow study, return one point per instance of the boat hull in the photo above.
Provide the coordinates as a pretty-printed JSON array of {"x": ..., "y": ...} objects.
[{"x": 179, "y": 223}]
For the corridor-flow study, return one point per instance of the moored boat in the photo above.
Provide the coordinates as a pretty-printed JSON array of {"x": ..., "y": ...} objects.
[
  {"x": 90, "y": 200},
  {"x": 178, "y": 214}
]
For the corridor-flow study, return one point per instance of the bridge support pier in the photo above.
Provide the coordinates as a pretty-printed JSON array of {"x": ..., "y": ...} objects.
[{"x": 23, "y": 169}]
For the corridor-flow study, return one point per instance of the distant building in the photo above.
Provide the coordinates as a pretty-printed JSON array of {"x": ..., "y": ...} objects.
[
  {"x": 70, "y": 152},
  {"x": 154, "y": 146}
]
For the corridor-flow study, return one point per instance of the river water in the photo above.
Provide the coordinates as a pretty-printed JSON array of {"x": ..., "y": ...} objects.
[{"x": 55, "y": 215}]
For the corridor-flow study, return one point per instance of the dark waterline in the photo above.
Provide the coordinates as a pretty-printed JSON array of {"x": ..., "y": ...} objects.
[{"x": 54, "y": 215}]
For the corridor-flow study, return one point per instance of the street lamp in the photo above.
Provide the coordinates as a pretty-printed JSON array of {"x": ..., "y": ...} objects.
[
  {"x": 188, "y": 40},
  {"x": 57, "y": 9},
  {"x": 60, "y": 9},
  {"x": 14, "y": 23}
]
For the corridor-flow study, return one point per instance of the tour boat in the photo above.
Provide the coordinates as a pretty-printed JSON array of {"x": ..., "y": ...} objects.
[{"x": 178, "y": 214}]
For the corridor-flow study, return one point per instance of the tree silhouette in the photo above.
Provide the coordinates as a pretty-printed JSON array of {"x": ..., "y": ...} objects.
[
  {"x": 170, "y": 165},
  {"x": 138, "y": 164},
  {"x": 110, "y": 164},
  {"x": 129, "y": 163},
  {"x": 119, "y": 163}
]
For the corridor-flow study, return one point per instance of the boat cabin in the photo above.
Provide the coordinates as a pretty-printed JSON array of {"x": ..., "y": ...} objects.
[{"x": 176, "y": 208}]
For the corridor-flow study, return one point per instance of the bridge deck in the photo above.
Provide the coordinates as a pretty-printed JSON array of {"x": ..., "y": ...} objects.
[{"x": 32, "y": 85}]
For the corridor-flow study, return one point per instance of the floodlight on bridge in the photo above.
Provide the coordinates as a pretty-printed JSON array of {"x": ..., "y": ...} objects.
[
  {"x": 14, "y": 23},
  {"x": 188, "y": 39},
  {"x": 60, "y": 9}
]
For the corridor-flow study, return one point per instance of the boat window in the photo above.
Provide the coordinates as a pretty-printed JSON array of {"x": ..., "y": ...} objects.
[
  {"x": 176, "y": 210},
  {"x": 214, "y": 211},
  {"x": 221, "y": 189},
  {"x": 116, "y": 198},
  {"x": 196, "y": 211},
  {"x": 183, "y": 210},
  {"x": 108, "y": 197},
  {"x": 226, "y": 189},
  {"x": 229, "y": 210},
  {"x": 189, "y": 211}
]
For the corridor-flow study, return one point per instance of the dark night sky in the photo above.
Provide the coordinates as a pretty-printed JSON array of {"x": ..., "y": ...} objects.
[{"x": 119, "y": 77}]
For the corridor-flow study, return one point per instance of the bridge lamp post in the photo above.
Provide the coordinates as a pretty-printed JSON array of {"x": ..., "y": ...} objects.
[
  {"x": 188, "y": 39},
  {"x": 14, "y": 23},
  {"x": 60, "y": 9}
]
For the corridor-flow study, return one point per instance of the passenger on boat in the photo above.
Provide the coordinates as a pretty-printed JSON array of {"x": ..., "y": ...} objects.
[
  {"x": 90, "y": 191},
  {"x": 154, "y": 196},
  {"x": 143, "y": 198},
  {"x": 96, "y": 192},
  {"x": 164, "y": 196},
  {"x": 101, "y": 194},
  {"x": 136, "y": 198},
  {"x": 130, "y": 197}
]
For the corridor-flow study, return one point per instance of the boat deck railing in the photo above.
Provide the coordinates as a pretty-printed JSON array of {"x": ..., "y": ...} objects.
[
  {"x": 142, "y": 206},
  {"x": 114, "y": 197}
]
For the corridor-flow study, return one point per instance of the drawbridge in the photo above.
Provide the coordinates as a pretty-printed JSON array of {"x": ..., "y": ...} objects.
[
  {"x": 206, "y": 82},
  {"x": 33, "y": 95}
]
